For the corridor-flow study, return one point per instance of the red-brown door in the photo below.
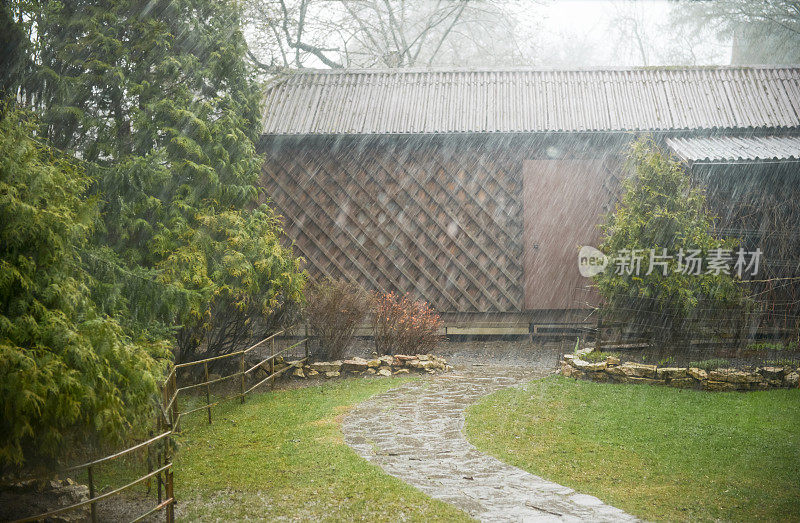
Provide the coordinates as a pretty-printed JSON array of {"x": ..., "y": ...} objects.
[{"x": 563, "y": 203}]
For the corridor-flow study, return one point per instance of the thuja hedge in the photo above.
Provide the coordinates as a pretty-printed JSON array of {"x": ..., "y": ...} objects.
[
  {"x": 134, "y": 229},
  {"x": 67, "y": 371}
]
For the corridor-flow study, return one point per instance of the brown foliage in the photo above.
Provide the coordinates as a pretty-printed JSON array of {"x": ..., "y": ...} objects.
[
  {"x": 333, "y": 310},
  {"x": 404, "y": 326}
]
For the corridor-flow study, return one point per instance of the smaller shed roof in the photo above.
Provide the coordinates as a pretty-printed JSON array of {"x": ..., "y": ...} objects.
[{"x": 734, "y": 149}]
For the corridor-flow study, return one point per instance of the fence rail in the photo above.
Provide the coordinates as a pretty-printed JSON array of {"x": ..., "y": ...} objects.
[
  {"x": 172, "y": 406},
  {"x": 167, "y": 424},
  {"x": 93, "y": 498}
]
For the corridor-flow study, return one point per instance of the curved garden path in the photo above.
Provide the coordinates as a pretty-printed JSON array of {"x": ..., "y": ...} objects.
[{"x": 415, "y": 433}]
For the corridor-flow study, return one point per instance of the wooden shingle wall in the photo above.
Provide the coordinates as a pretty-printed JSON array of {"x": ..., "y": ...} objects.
[
  {"x": 438, "y": 218},
  {"x": 443, "y": 223}
]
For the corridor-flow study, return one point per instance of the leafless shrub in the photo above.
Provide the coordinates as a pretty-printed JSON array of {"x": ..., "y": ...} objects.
[{"x": 333, "y": 310}]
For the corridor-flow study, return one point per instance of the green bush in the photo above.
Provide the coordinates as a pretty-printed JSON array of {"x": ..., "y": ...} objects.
[
  {"x": 767, "y": 346},
  {"x": 235, "y": 265},
  {"x": 67, "y": 371},
  {"x": 660, "y": 209},
  {"x": 782, "y": 362},
  {"x": 669, "y": 361}
]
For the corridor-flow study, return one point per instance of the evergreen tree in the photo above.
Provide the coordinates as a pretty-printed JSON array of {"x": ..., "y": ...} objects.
[
  {"x": 766, "y": 32},
  {"x": 660, "y": 209},
  {"x": 139, "y": 223},
  {"x": 156, "y": 97},
  {"x": 66, "y": 369},
  {"x": 14, "y": 58}
]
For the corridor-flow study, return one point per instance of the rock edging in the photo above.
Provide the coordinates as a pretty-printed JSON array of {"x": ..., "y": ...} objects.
[
  {"x": 380, "y": 366},
  {"x": 23, "y": 498},
  {"x": 727, "y": 379}
]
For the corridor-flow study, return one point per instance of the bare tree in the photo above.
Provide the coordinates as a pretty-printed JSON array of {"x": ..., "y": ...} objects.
[
  {"x": 645, "y": 39},
  {"x": 629, "y": 27},
  {"x": 761, "y": 32},
  {"x": 282, "y": 35},
  {"x": 380, "y": 33}
]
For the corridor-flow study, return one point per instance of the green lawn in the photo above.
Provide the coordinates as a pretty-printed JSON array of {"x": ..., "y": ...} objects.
[
  {"x": 281, "y": 456},
  {"x": 656, "y": 452}
]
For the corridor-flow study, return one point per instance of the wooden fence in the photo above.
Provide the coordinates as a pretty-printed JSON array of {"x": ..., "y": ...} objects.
[
  {"x": 172, "y": 391},
  {"x": 167, "y": 423}
]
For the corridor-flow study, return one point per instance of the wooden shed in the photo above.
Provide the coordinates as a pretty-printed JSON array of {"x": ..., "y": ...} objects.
[{"x": 474, "y": 189}]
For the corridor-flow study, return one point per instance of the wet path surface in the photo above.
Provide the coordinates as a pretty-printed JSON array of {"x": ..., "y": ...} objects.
[{"x": 415, "y": 433}]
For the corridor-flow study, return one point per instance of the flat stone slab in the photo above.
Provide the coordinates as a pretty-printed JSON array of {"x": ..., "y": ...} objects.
[{"x": 415, "y": 432}]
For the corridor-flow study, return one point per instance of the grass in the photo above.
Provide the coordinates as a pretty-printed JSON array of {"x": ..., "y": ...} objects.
[
  {"x": 281, "y": 456},
  {"x": 656, "y": 452},
  {"x": 767, "y": 346}
]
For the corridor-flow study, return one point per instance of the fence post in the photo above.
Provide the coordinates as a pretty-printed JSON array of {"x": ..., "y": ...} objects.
[
  {"x": 149, "y": 450},
  {"x": 169, "y": 493},
  {"x": 91, "y": 493},
  {"x": 598, "y": 338},
  {"x": 740, "y": 330},
  {"x": 272, "y": 356},
  {"x": 208, "y": 393},
  {"x": 158, "y": 466},
  {"x": 160, "y": 415},
  {"x": 241, "y": 369},
  {"x": 174, "y": 392}
]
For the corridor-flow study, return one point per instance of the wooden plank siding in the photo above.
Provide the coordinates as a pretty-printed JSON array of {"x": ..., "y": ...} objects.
[{"x": 438, "y": 218}]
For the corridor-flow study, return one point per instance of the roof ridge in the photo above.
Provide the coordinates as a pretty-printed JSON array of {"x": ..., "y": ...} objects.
[{"x": 533, "y": 69}]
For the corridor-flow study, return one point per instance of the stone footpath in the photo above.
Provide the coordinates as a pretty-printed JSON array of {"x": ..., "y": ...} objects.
[{"x": 415, "y": 433}]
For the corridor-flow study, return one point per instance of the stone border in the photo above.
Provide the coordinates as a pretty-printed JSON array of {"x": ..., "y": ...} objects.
[
  {"x": 381, "y": 366},
  {"x": 727, "y": 379}
]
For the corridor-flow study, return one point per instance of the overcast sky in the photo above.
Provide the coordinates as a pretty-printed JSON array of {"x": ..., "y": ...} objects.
[
  {"x": 582, "y": 33},
  {"x": 598, "y": 32}
]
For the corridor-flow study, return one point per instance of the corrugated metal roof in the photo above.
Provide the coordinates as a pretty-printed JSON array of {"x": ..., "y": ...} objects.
[
  {"x": 416, "y": 101},
  {"x": 736, "y": 149}
]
